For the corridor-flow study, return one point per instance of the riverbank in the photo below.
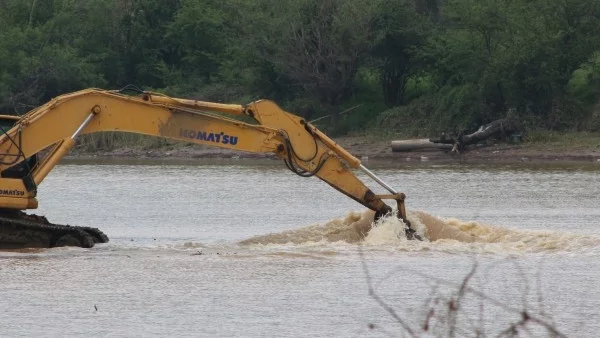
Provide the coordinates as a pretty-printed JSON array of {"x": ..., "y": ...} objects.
[{"x": 376, "y": 150}]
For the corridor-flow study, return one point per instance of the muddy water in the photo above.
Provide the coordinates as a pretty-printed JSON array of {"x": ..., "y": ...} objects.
[{"x": 251, "y": 250}]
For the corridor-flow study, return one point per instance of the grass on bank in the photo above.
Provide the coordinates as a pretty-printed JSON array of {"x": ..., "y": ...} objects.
[
  {"x": 564, "y": 140},
  {"x": 108, "y": 141},
  {"x": 539, "y": 139}
]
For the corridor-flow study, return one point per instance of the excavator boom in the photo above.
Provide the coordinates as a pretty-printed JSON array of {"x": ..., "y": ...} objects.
[{"x": 52, "y": 129}]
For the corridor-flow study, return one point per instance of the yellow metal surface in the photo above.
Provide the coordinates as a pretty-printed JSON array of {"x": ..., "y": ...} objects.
[
  {"x": 234, "y": 109},
  {"x": 343, "y": 153},
  {"x": 14, "y": 195},
  {"x": 18, "y": 203},
  {"x": 302, "y": 146},
  {"x": 59, "y": 118},
  {"x": 52, "y": 159}
]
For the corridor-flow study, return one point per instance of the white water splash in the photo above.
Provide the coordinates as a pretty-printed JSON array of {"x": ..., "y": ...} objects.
[{"x": 448, "y": 235}]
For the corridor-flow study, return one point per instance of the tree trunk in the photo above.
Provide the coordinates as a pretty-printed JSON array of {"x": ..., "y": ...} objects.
[{"x": 418, "y": 144}]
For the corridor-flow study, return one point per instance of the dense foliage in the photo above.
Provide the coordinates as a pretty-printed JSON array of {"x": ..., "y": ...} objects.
[{"x": 410, "y": 65}]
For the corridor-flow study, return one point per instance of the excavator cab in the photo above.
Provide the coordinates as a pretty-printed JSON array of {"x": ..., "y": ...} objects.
[{"x": 24, "y": 168}]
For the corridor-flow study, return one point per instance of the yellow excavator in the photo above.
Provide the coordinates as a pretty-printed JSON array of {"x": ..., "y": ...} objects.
[{"x": 32, "y": 145}]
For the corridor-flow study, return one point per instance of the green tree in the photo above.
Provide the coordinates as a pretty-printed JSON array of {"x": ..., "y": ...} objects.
[
  {"x": 199, "y": 37},
  {"x": 493, "y": 56},
  {"x": 37, "y": 60},
  {"x": 399, "y": 32},
  {"x": 474, "y": 60},
  {"x": 315, "y": 46}
]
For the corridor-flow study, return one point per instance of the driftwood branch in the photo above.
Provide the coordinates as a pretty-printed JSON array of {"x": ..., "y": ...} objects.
[
  {"x": 502, "y": 127},
  {"x": 499, "y": 128}
]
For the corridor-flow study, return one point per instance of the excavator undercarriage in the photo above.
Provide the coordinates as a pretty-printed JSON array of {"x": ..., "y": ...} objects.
[
  {"x": 32, "y": 145},
  {"x": 20, "y": 230}
]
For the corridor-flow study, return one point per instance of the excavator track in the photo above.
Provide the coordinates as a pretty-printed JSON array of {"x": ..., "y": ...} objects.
[{"x": 20, "y": 230}]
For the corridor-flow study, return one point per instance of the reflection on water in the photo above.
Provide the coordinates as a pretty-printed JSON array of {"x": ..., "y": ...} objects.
[{"x": 249, "y": 249}]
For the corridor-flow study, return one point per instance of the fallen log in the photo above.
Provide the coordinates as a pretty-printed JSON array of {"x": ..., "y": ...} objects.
[{"x": 418, "y": 144}]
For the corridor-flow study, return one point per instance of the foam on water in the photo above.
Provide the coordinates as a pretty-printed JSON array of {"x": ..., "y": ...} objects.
[
  {"x": 351, "y": 229},
  {"x": 450, "y": 235}
]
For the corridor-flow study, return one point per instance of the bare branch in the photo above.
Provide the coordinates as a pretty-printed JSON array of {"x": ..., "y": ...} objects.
[
  {"x": 548, "y": 326},
  {"x": 341, "y": 113},
  {"x": 456, "y": 304},
  {"x": 31, "y": 13},
  {"x": 378, "y": 299}
]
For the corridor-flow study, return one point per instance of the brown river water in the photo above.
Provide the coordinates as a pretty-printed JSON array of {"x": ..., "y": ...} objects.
[{"x": 248, "y": 249}]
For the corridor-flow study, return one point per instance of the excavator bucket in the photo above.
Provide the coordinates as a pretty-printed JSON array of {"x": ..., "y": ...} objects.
[
  {"x": 400, "y": 214},
  {"x": 410, "y": 231}
]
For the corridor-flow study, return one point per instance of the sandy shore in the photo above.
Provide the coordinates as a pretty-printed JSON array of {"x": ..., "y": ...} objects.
[{"x": 372, "y": 150}]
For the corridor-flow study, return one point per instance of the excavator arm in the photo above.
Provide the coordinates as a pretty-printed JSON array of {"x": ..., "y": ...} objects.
[{"x": 53, "y": 127}]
